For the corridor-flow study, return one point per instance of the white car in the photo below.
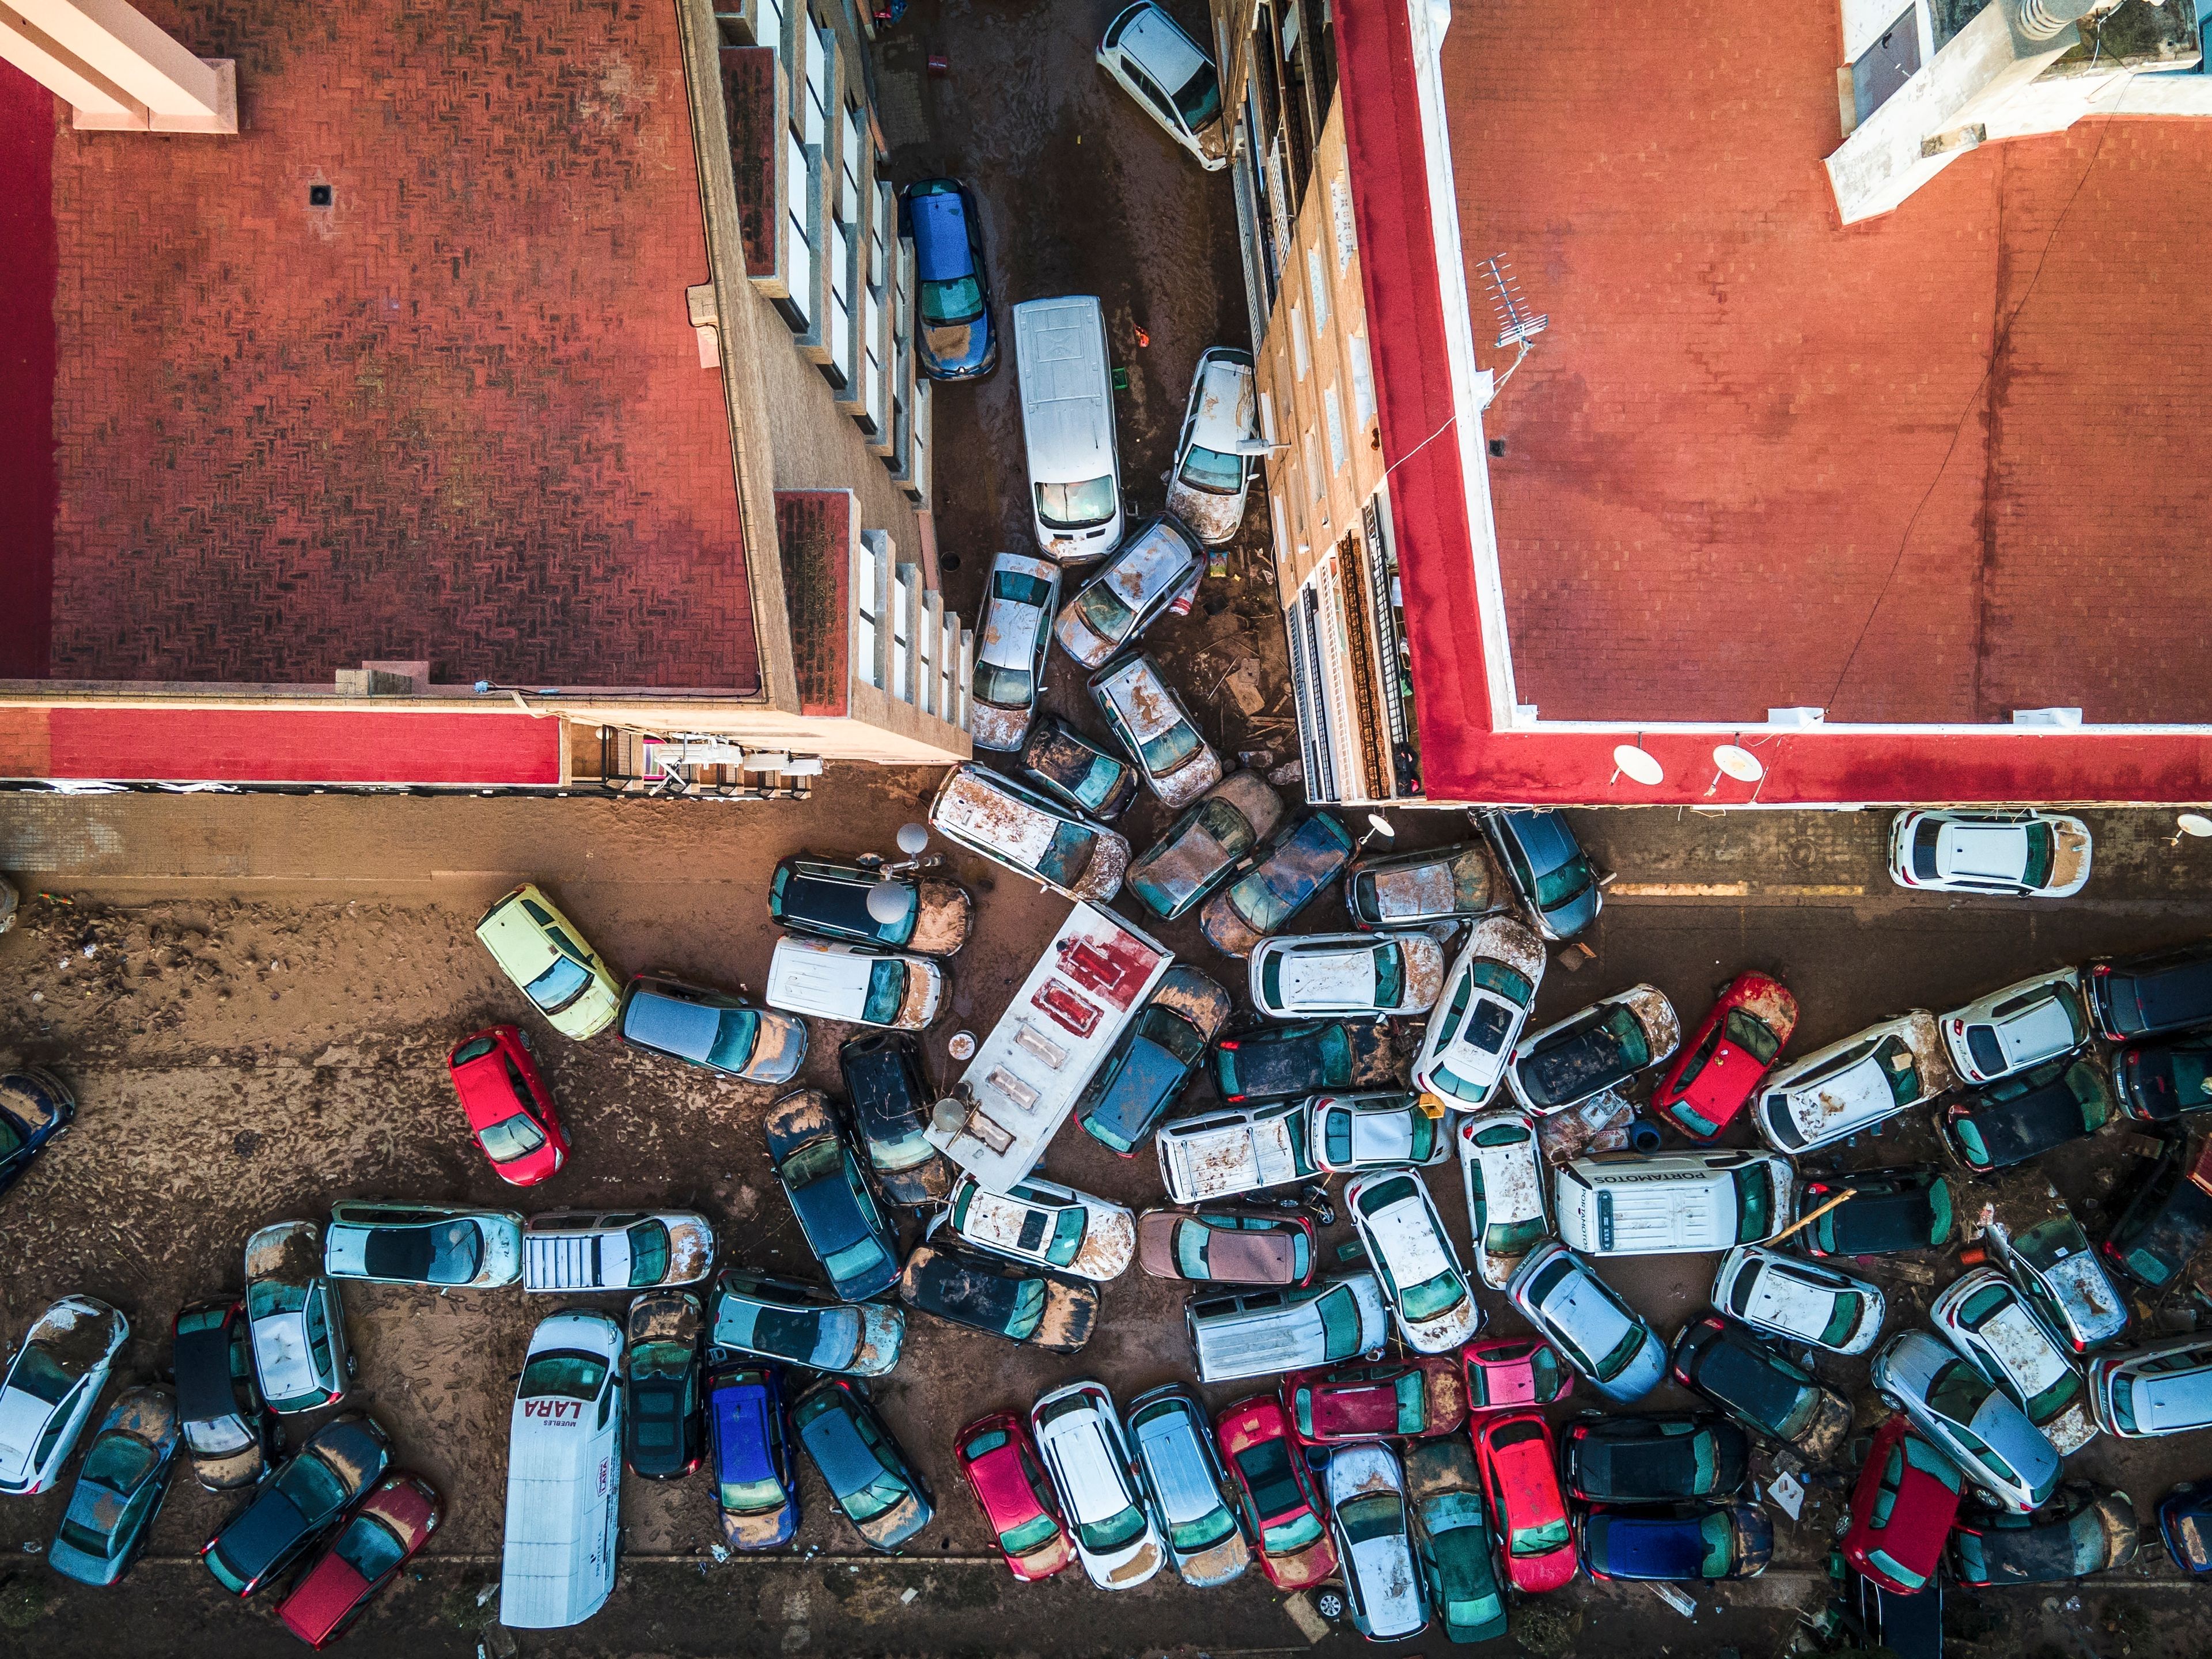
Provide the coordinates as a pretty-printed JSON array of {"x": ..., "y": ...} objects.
[
  {"x": 2012, "y": 855},
  {"x": 2022, "y": 1025},
  {"x": 1501, "y": 1168},
  {"x": 1952, "y": 1404},
  {"x": 1836, "y": 1091},
  {"x": 2161, "y": 1388},
  {"x": 1787, "y": 1295},
  {"x": 1484, "y": 1002},
  {"x": 1312, "y": 975},
  {"x": 1367, "y": 1519},
  {"x": 1078, "y": 1434},
  {"x": 1149, "y": 722},
  {"x": 1212, "y": 468},
  {"x": 1154, "y": 568},
  {"x": 828, "y": 979},
  {"x": 398, "y": 1243},
  {"x": 1346, "y": 1133},
  {"x": 1041, "y": 1221},
  {"x": 1412, "y": 1255},
  {"x": 296, "y": 1317},
  {"x": 51, "y": 1388},
  {"x": 1984, "y": 1317},
  {"x": 1010, "y": 649},
  {"x": 1170, "y": 78},
  {"x": 625, "y": 1250}
]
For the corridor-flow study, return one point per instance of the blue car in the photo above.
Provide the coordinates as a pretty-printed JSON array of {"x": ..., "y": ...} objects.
[
  {"x": 34, "y": 1107},
  {"x": 956, "y": 341},
  {"x": 1688, "y": 1543},
  {"x": 2185, "y": 1521},
  {"x": 119, "y": 1488},
  {"x": 1545, "y": 863},
  {"x": 754, "y": 1480},
  {"x": 837, "y": 1211}
]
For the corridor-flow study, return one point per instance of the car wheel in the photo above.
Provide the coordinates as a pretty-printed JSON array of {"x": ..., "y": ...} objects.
[{"x": 1330, "y": 1604}]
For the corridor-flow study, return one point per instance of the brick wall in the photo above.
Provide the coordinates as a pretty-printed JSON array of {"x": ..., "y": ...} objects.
[
  {"x": 749, "y": 89},
  {"x": 816, "y": 529}
]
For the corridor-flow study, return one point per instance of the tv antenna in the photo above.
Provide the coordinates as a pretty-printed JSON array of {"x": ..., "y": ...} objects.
[{"x": 1516, "y": 325}]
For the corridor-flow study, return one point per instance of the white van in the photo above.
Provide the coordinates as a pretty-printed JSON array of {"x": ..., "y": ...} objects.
[
  {"x": 1627, "y": 1204},
  {"x": 832, "y": 980},
  {"x": 1067, "y": 424},
  {"x": 1265, "y": 1332},
  {"x": 1239, "y": 1149},
  {"x": 564, "y": 1475}
]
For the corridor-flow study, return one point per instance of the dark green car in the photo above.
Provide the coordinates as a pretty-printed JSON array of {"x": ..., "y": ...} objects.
[{"x": 1452, "y": 1539}]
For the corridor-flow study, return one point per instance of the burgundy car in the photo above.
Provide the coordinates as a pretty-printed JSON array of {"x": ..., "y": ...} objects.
[
  {"x": 1421, "y": 1395},
  {"x": 1227, "y": 1247},
  {"x": 394, "y": 1521}
]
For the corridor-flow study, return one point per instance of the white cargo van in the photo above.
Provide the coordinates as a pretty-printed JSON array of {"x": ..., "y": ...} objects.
[
  {"x": 1261, "y": 1332},
  {"x": 564, "y": 1475},
  {"x": 1067, "y": 424},
  {"x": 1239, "y": 1149},
  {"x": 1627, "y": 1204}
]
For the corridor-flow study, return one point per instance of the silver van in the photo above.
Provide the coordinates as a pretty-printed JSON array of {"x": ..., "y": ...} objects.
[
  {"x": 1265, "y": 1332},
  {"x": 1627, "y": 1204},
  {"x": 1239, "y": 1149},
  {"x": 1067, "y": 425},
  {"x": 1010, "y": 823}
]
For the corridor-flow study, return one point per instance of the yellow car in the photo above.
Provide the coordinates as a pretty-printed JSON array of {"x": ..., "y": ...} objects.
[{"x": 541, "y": 951}]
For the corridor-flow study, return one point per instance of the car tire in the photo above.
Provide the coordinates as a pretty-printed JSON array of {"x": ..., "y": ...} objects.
[{"x": 1330, "y": 1604}]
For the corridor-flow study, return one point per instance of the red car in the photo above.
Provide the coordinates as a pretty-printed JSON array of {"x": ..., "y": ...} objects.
[
  {"x": 1718, "y": 1068},
  {"x": 394, "y": 1521},
  {"x": 1902, "y": 1509},
  {"x": 1281, "y": 1508},
  {"x": 1001, "y": 1466},
  {"x": 1423, "y": 1396},
  {"x": 510, "y": 1108},
  {"x": 1514, "y": 1371},
  {"x": 1527, "y": 1510}
]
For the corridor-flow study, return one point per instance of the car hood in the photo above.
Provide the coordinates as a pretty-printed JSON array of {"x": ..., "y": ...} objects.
[{"x": 1215, "y": 519}]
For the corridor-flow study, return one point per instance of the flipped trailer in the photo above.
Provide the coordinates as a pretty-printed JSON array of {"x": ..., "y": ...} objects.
[{"x": 1084, "y": 990}]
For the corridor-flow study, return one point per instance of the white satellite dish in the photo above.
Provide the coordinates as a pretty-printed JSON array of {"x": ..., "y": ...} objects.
[
  {"x": 1639, "y": 764},
  {"x": 1739, "y": 763},
  {"x": 1381, "y": 826},
  {"x": 912, "y": 838},
  {"x": 2192, "y": 824},
  {"x": 889, "y": 901}
]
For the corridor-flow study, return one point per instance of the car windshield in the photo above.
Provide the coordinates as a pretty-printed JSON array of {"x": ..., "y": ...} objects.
[
  {"x": 36, "y": 1373},
  {"x": 370, "y": 1547},
  {"x": 558, "y": 986},
  {"x": 1539, "y": 1539},
  {"x": 1172, "y": 1032},
  {"x": 1508, "y": 1237},
  {"x": 648, "y": 1254},
  {"x": 1100, "y": 606},
  {"x": 1898, "y": 1069},
  {"x": 1752, "y": 1035},
  {"x": 1028, "y": 1310},
  {"x": 313, "y": 1487},
  {"x": 1172, "y": 747},
  {"x": 667, "y": 1359},
  {"x": 1754, "y": 1203},
  {"x": 1026, "y": 1535},
  {"x": 1068, "y": 856},
  {"x": 2037, "y": 869},
  {"x": 886, "y": 992},
  {"x": 1958, "y": 1392},
  {"x": 955, "y": 300},
  {"x": 511, "y": 1138},
  {"x": 117, "y": 1462},
  {"x": 1758, "y": 1387},
  {"x": 1076, "y": 505},
  {"x": 1199, "y": 99},
  {"x": 1210, "y": 470},
  {"x": 1114, "y": 1531},
  {"x": 1569, "y": 881},
  {"x": 1006, "y": 688},
  {"x": 1099, "y": 775},
  {"x": 856, "y": 1258},
  {"x": 1266, "y": 1469},
  {"x": 562, "y": 1376},
  {"x": 1433, "y": 1296},
  {"x": 11, "y": 1140},
  {"x": 733, "y": 1039},
  {"x": 1370, "y": 1516}
]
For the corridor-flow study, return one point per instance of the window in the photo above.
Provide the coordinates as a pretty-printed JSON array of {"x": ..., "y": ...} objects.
[
  {"x": 845, "y": 252},
  {"x": 798, "y": 189},
  {"x": 1313, "y": 469},
  {"x": 1362, "y": 381},
  {"x": 901, "y": 625},
  {"x": 1333, "y": 410},
  {"x": 1317, "y": 285},
  {"x": 869, "y": 610},
  {"x": 926, "y": 689},
  {"x": 876, "y": 390},
  {"x": 1267, "y": 423},
  {"x": 1340, "y": 208},
  {"x": 1298, "y": 352}
]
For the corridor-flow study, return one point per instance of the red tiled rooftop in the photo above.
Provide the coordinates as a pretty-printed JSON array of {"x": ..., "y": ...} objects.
[
  {"x": 458, "y": 415},
  {"x": 1965, "y": 442}
]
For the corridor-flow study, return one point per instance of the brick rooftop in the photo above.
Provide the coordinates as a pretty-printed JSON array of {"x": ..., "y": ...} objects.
[
  {"x": 1745, "y": 416},
  {"x": 456, "y": 416}
]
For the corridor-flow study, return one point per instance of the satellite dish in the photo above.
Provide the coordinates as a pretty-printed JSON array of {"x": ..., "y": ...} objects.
[
  {"x": 1639, "y": 764},
  {"x": 889, "y": 901},
  {"x": 2194, "y": 823},
  {"x": 1381, "y": 826},
  {"x": 1739, "y": 763},
  {"x": 912, "y": 838}
]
